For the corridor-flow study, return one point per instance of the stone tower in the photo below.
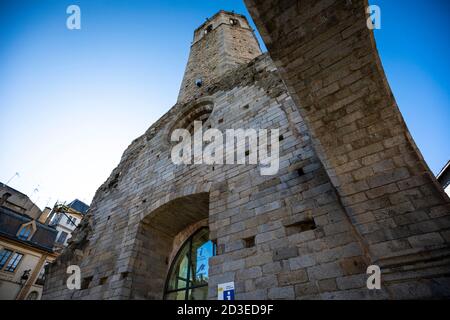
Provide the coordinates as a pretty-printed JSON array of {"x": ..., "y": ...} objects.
[
  {"x": 291, "y": 235},
  {"x": 220, "y": 44}
]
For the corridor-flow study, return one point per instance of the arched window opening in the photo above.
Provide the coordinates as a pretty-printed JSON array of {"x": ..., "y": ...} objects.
[
  {"x": 34, "y": 295},
  {"x": 234, "y": 22},
  {"x": 200, "y": 112},
  {"x": 208, "y": 29},
  {"x": 188, "y": 275}
]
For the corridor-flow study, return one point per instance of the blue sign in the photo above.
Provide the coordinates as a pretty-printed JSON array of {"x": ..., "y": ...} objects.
[
  {"x": 225, "y": 291},
  {"x": 228, "y": 295}
]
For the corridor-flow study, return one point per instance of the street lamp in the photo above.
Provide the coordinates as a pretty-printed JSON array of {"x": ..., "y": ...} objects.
[{"x": 25, "y": 276}]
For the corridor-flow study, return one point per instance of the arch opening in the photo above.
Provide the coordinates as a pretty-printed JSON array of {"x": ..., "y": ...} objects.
[
  {"x": 188, "y": 274},
  {"x": 165, "y": 235}
]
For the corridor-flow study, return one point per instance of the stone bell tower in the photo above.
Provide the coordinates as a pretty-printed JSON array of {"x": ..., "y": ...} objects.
[{"x": 220, "y": 44}]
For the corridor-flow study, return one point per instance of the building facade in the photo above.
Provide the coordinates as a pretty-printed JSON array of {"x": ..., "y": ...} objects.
[
  {"x": 160, "y": 230},
  {"x": 26, "y": 246}
]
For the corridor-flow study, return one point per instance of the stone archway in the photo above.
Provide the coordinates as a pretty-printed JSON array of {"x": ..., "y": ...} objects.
[
  {"x": 160, "y": 234},
  {"x": 328, "y": 59}
]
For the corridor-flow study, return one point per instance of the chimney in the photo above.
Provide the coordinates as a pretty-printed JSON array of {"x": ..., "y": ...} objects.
[
  {"x": 4, "y": 198},
  {"x": 44, "y": 215}
]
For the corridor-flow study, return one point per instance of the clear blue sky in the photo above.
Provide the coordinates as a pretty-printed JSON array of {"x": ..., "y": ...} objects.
[{"x": 72, "y": 101}]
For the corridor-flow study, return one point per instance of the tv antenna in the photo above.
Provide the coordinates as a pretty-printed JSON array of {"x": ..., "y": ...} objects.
[{"x": 15, "y": 175}]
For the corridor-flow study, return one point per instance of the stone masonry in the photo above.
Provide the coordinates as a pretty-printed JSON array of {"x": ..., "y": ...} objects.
[
  {"x": 328, "y": 59},
  {"x": 352, "y": 189}
]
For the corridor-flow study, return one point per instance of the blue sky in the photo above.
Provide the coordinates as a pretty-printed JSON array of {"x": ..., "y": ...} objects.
[{"x": 72, "y": 101}]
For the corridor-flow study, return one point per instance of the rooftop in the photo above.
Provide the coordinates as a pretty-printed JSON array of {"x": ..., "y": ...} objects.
[
  {"x": 11, "y": 222},
  {"x": 79, "y": 206}
]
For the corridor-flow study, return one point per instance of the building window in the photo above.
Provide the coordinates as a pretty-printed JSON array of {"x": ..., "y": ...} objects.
[
  {"x": 25, "y": 232},
  {"x": 14, "y": 262},
  {"x": 446, "y": 184},
  {"x": 41, "y": 277},
  {"x": 188, "y": 276},
  {"x": 62, "y": 237},
  {"x": 71, "y": 221},
  {"x": 4, "y": 256},
  {"x": 57, "y": 219}
]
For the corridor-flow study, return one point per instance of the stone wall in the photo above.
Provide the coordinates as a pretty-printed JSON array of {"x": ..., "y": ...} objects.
[
  {"x": 328, "y": 59},
  {"x": 277, "y": 236}
]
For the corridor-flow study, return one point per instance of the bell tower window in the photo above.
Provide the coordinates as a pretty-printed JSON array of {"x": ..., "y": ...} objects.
[
  {"x": 234, "y": 22},
  {"x": 208, "y": 29}
]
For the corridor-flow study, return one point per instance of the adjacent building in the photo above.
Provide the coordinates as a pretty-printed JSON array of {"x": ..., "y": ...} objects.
[
  {"x": 444, "y": 178},
  {"x": 65, "y": 218},
  {"x": 26, "y": 246}
]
